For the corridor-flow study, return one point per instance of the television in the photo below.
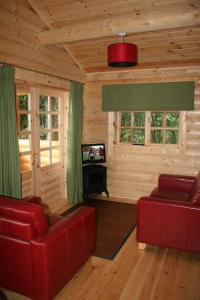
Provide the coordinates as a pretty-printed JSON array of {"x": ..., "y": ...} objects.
[{"x": 93, "y": 153}]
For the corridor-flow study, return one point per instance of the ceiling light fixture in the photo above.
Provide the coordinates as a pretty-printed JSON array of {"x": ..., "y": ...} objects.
[{"x": 121, "y": 55}]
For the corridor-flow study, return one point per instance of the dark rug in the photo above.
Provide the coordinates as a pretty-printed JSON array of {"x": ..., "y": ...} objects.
[
  {"x": 3, "y": 296},
  {"x": 115, "y": 221}
]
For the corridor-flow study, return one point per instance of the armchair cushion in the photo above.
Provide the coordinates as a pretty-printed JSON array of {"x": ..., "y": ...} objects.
[
  {"x": 23, "y": 213},
  {"x": 177, "y": 183},
  {"x": 177, "y": 187},
  {"x": 171, "y": 195}
]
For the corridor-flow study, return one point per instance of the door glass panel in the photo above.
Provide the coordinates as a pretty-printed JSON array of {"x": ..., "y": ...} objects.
[
  {"x": 55, "y": 138},
  {"x": 43, "y": 121},
  {"x": 44, "y": 140},
  {"x": 24, "y": 122},
  {"x": 24, "y": 130},
  {"x": 45, "y": 158},
  {"x": 49, "y": 129},
  {"x": 24, "y": 143},
  {"x": 43, "y": 103},
  {"x": 23, "y": 102},
  {"x": 54, "y": 104},
  {"x": 54, "y": 121}
]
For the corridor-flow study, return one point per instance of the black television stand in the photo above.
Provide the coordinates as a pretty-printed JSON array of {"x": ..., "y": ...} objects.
[{"x": 94, "y": 180}]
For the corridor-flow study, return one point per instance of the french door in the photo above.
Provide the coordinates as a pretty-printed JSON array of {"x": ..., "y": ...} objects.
[{"x": 42, "y": 131}]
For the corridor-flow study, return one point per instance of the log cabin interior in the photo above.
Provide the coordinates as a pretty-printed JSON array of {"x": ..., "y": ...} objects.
[{"x": 53, "y": 43}]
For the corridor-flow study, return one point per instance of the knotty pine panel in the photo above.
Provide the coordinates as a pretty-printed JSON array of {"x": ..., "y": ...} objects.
[
  {"x": 19, "y": 45},
  {"x": 133, "y": 171},
  {"x": 52, "y": 189}
]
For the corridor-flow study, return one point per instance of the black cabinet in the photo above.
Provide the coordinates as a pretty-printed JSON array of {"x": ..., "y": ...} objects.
[{"x": 94, "y": 180}]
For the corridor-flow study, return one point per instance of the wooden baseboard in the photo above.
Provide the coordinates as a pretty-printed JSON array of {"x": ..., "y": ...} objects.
[{"x": 116, "y": 199}]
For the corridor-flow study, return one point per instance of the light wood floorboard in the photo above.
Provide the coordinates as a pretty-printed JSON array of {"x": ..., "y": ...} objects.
[{"x": 151, "y": 274}]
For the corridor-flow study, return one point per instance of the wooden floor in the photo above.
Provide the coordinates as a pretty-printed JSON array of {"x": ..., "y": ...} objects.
[{"x": 152, "y": 274}]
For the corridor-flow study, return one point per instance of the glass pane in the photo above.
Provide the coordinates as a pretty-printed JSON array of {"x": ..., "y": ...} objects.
[
  {"x": 157, "y": 119},
  {"x": 43, "y": 121},
  {"x": 125, "y": 135},
  {"x": 54, "y": 104},
  {"x": 24, "y": 143},
  {"x": 44, "y": 140},
  {"x": 171, "y": 136},
  {"x": 138, "y": 136},
  {"x": 156, "y": 136},
  {"x": 139, "y": 119},
  {"x": 43, "y": 103},
  {"x": 24, "y": 122},
  {"x": 25, "y": 163},
  {"x": 23, "y": 102},
  {"x": 54, "y": 121},
  {"x": 125, "y": 119},
  {"x": 55, "y": 155},
  {"x": 172, "y": 119},
  {"x": 55, "y": 138},
  {"x": 44, "y": 158}
]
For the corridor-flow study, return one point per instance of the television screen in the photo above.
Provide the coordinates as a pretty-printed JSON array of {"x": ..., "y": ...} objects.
[{"x": 93, "y": 153}]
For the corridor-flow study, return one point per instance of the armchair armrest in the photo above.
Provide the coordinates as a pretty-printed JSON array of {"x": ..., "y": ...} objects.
[
  {"x": 61, "y": 252},
  {"x": 162, "y": 202},
  {"x": 172, "y": 224},
  {"x": 177, "y": 183},
  {"x": 33, "y": 199}
]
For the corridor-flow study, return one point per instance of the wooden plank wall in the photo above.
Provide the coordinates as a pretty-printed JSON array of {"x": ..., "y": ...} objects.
[
  {"x": 52, "y": 188},
  {"x": 133, "y": 171}
]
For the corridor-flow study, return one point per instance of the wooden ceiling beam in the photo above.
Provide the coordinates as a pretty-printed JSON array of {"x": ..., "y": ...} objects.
[
  {"x": 74, "y": 62},
  {"x": 112, "y": 26}
]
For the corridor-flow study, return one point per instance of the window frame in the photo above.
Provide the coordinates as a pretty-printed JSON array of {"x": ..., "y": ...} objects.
[{"x": 181, "y": 138}]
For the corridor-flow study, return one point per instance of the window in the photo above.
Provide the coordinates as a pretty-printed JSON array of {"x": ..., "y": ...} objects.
[
  {"x": 144, "y": 128},
  {"x": 164, "y": 128},
  {"x": 132, "y": 127}
]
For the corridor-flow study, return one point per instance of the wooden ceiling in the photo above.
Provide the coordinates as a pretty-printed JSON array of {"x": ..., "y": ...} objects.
[{"x": 167, "y": 32}]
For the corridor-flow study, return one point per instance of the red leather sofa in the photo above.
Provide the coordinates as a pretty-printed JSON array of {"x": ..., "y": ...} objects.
[
  {"x": 36, "y": 259},
  {"x": 170, "y": 216}
]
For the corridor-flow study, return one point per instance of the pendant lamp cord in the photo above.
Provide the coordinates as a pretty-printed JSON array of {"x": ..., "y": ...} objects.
[{"x": 122, "y": 35}]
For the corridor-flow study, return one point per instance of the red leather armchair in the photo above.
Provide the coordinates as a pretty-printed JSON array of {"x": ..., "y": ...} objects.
[
  {"x": 170, "y": 216},
  {"x": 37, "y": 260}
]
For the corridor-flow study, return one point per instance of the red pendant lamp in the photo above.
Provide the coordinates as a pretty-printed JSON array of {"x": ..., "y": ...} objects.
[{"x": 121, "y": 55}]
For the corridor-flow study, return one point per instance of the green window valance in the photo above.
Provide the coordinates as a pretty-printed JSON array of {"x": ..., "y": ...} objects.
[{"x": 163, "y": 96}]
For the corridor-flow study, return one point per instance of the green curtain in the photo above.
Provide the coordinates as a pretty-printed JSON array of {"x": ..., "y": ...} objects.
[
  {"x": 74, "y": 159},
  {"x": 10, "y": 178},
  {"x": 164, "y": 96}
]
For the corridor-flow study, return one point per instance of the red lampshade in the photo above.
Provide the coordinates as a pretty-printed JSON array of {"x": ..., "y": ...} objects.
[{"x": 122, "y": 55}]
